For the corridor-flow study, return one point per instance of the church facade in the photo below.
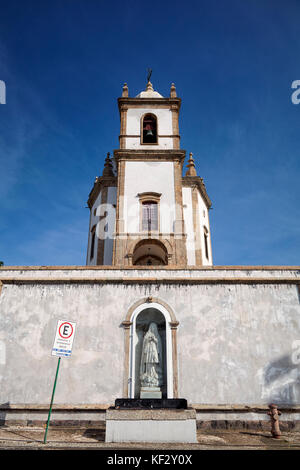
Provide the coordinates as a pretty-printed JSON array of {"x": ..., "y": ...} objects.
[{"x": 229, "y": 335}]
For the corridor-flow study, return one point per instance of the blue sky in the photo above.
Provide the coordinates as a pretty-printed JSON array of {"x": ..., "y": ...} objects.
[{"x": 233, "y": 63}]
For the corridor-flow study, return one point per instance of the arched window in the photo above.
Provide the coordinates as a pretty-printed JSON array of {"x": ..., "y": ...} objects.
[
  {"x": 93, "y": 237},
  {"x": 206, "y": 242},
  {"x": 149, "y": 129}
]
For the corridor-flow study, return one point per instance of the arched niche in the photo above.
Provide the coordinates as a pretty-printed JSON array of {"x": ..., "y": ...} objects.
[
  {"x": 137, "y": 321},
  {"x": 143, "y": 320}
]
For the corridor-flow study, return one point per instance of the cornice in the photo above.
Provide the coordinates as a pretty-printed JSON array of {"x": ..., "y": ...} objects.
[
  {"x": 153, "y": 154},
  {"x": 124, "y": 102},
  {"x": 190, "y": 181},
  {"x": 100, "y": 182}
]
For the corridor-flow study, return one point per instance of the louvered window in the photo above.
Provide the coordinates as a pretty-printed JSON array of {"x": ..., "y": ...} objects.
[{"x": 150, "y": 216}]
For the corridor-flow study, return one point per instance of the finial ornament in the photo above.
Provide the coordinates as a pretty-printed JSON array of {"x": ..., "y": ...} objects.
[
  {"x": 173, "y": 93},
  {"x": 191, "y": 169},
  {"x": 108, "y": 166},
  {"x": 125, "y": 90},
  {"x": 149, "y": 86}
]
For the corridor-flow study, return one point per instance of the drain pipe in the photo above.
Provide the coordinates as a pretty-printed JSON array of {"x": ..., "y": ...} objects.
[{"x": 274, "y": 415}]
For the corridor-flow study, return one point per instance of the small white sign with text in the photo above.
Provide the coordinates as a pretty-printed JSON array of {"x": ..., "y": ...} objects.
[{"x": 64, "y": 337}]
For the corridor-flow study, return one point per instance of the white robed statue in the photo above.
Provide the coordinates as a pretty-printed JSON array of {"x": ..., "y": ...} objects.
[{"x": 151, "y": 360}]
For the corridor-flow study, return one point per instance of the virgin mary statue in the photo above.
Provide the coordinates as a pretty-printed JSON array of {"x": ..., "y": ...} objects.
[{"x": 151, "y": 360}]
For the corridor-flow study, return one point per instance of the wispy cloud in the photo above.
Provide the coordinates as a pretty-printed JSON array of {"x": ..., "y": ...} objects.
[
  {"x": 64, "y": 245},
  {"x": 25, "y": 118}
]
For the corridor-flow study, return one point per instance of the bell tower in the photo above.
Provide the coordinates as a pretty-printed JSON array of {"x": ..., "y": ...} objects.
[{"x": 143, "y": 211}]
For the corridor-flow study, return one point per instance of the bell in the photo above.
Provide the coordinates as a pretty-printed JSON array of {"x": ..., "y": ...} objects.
[{"x": 149, "y": 132}]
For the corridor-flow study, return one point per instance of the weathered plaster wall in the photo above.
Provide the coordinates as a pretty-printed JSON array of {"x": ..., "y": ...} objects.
[
  {"x": 238, "y": 343},
  {"x": 236, "y": 339},
  {"x": 27, "y": 323}
]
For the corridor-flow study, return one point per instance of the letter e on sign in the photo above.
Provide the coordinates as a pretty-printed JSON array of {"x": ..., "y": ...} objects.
[
  {"x": 64, "y": 337},
  {"x": 65, "y": 330}
]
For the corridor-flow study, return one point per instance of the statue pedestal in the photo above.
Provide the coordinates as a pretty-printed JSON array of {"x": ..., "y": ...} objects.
[
  {"x": 160, "y": 425},
  {"x": 151, "y": 403},
  {"x": 150, "y": 392}
]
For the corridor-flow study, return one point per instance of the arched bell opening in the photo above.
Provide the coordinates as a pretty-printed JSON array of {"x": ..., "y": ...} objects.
[
  {"x": 150, "y": 253},
  {"x": 149, "y": 129}
]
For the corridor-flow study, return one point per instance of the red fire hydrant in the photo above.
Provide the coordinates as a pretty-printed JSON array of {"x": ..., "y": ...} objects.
[{"x": 274, "y": 415}]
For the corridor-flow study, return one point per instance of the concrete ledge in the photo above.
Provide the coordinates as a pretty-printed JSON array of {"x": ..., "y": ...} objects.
[
  {"x": 150, "y": 281},
  {"x": 149, "y": 268},
  {"x": 56, "y": 407},
  {"x": 207, "y": 416},
  {"x": 135, "y": 275},
  {"x": 205, "y": 408},
  {"x": 157, "y": 415}
]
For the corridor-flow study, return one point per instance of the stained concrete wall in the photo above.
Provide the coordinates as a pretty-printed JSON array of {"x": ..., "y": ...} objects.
[{"x": 237, "y": 334}]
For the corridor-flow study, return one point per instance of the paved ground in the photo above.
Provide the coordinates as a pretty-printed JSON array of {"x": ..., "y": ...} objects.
[{"x": 93, "y": 438}]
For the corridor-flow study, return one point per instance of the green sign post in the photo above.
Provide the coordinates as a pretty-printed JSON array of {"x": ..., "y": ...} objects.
[
  {"x": 53, "y": 392},
  {"x": 62, "y": 347}
]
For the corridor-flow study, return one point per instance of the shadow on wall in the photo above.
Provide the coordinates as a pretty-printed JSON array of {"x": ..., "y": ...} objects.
[
  {"x": 3, "y": 409},
  {"x": 281, "y": 381},
  {"x": 298, "y": 290}
]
